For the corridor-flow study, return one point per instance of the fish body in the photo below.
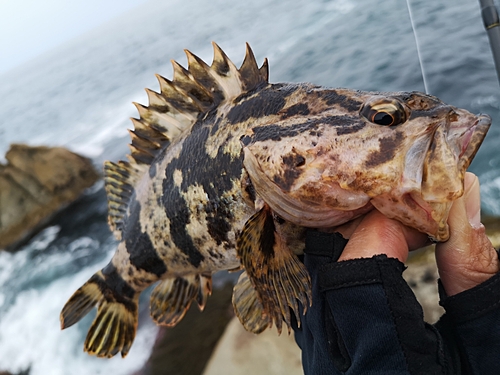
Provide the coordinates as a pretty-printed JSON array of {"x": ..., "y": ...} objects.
[{"x": 228, "y": 170}]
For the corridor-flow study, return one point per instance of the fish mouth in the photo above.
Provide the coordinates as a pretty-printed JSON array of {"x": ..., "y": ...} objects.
[
  {"x": 447, "y": 157},
  {"x": 472, "y": 139}
]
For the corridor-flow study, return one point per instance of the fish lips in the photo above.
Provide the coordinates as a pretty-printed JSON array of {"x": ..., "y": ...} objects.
[
  {"x": 450, "y": 153},
  {"x": 473, "y": 138}
]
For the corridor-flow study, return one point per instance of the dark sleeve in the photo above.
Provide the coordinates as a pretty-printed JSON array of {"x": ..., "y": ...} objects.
[
  {"x": 366, "y": 320},
  {"x": 472, "y": 324}
]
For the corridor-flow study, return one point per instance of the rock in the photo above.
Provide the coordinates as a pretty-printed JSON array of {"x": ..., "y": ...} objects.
[
  {"x": 35, "y": 184},
  {"x": 492, "y": 224},
  {"x": 241, "y": 352},
  {"x": 217, "y": 337},
  {"x": 421, "y": 275},
  {"x": 186, "y": 348},
  {"x": 422, "y": 272}
]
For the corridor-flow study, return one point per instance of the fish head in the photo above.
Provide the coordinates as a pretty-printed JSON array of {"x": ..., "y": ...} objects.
[{"x": 403, "y": 153}]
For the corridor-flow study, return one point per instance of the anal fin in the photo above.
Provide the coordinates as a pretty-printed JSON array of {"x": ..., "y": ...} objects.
[
  {"x": 171, "y": 298},
  {"x": 278, "y": 276}
]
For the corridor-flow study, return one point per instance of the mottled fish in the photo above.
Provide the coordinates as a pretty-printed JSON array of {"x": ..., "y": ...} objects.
[{"x": 227, "y": 170}]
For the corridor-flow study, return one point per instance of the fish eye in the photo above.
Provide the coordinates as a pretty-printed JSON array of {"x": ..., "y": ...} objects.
[{"x": 384, "y": 112}]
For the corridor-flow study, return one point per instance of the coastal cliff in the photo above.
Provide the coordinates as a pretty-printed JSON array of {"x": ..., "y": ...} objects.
[{"x": 36, "y": 183}]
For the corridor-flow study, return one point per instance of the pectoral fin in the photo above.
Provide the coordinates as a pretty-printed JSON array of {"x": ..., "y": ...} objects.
[
  {"x": 248, "y": 307},
  {"x": 277, "y": 275}
]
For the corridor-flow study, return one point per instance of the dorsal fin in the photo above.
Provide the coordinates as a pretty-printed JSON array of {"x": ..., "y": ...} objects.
[
  {"x": 192, "y": 92},
  {"x": 180, "y": 103}
]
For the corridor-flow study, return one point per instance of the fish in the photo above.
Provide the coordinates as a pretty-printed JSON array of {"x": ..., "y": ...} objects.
[{"x": 228, "y": 171}]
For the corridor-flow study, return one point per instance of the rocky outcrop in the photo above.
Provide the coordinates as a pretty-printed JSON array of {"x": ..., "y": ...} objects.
[
  {"x": 422, "y": 275},
  {"x": 35, "y": 183},
  {"x": 186, "y": 348},
  {"x": 215, "y": 342},
  {"x": 422, "y": 272},
  {"x": 244, "y": 353}
]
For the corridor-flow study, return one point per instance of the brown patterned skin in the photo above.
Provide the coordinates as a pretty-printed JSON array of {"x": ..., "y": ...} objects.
[
  {"x": 304, "y": 144},
  {"x": 311, "y": 157},
  {"x": 289, "y": 156}
]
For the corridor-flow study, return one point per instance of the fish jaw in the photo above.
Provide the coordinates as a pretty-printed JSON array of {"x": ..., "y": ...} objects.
[
  {"x": 425, "y": 204},
  {"x": 472, "y": 140},
  {"x": 451, "y": 151},
  {"x": 410, "y": 209}
]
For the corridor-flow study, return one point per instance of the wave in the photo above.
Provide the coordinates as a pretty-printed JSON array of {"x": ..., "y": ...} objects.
[{"x": 31, "y": 299}]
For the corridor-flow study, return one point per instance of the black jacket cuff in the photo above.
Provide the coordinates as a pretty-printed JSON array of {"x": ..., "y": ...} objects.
[{"x": 473, "y": 303}]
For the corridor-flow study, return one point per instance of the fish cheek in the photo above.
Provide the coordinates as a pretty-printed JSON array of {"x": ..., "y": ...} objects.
[
  {"x": 442, "y": 181},
  {"x": 387, "y": 150},
  {"x": 289, "y": 169}
]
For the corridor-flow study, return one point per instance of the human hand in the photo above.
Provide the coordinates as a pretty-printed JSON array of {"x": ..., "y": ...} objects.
[
  {"x": 468, "y": 258},
  {"x": 376, "y": 234}
]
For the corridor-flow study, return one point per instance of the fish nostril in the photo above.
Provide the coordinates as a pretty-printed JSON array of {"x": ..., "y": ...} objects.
[{"x": 453, "y": 116}]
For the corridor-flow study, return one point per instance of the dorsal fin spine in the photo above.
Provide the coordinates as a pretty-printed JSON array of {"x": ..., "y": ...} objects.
[
  {"x": 180, "y": 73},
  {"x": 156, "y": 99},
  {"x": 264, "y": 71},
  {"x": 249, "y": 70},
  {"x": 225, "y": 73}
]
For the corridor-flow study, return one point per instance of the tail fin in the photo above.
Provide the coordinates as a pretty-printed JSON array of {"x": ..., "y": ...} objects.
[{"x": 113, "y": 330}]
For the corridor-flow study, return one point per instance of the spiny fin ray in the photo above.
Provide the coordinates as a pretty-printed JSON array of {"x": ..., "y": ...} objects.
[
  {"x": 181, "y": 102},
  {"x": 119, "y": 181},
  {"x": 199, "y": 88}
]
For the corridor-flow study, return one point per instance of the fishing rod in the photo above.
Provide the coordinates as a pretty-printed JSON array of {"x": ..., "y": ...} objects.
[
  {"x": 492, "y": 25},
  {"x": 491, "y": 22}
]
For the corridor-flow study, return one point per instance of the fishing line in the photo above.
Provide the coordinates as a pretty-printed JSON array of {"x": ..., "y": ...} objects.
[{"x": 419, "y": 54}]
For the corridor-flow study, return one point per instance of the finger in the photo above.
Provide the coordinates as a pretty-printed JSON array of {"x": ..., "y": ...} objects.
[
  {"x": 377, "y": 234},
  {"x": 468, "y": 258},
  {"x": 347, "y": 229}
]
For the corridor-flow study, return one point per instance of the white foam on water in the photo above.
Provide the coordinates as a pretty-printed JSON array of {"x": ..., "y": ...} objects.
[
  {"x": 30, "y": 334},
  {"x": 12, "y": 263}
]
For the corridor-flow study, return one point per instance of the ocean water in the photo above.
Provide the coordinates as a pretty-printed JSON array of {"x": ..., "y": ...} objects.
[{"x": 79, "y": 96}]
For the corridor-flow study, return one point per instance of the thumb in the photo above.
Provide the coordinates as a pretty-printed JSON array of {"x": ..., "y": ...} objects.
[{"x": 468, "y": 258}]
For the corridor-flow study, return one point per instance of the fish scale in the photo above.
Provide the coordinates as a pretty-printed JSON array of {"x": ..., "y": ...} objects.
[{"x": 228, "y": 171}]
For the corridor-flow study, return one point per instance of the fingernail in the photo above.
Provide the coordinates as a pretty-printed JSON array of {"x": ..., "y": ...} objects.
[{"x": 472, "y": 200}]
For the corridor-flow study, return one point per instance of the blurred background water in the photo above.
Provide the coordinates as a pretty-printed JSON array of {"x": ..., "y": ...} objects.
[{"x": 79, "y": 95}]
